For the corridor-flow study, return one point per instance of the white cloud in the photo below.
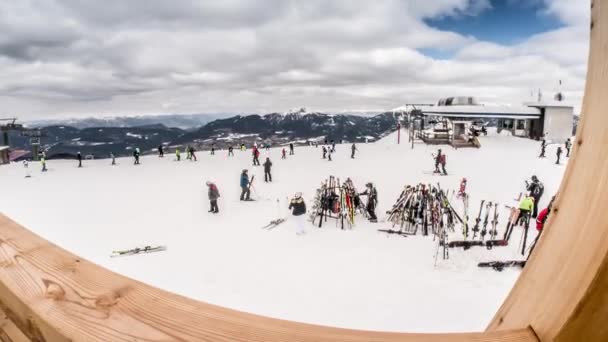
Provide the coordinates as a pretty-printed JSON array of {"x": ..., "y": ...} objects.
[{"x": 69, "y": 58}]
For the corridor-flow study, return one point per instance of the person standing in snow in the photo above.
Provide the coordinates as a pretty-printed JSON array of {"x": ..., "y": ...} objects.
[
  {"x": 230, "y": 151},
  {"x": 536, "y": 190},
  {"x": 568, "y": 146},
  {"x": 212, "y": 149},
  {"x": 213, "y": 194},
  {"x": 298, "y": 208},
  {"x": 525, "y": 208},
  {"x": 440, "y": 160},
  {"x": 267, "y": 146},
  {"x": 267, "y": 175},
  {"x": 192, "y": 155},
  {"x": 26, "y": 167},
  {"x": 136, "y": 156},
  {"x": 540, "y": 223},
  {"x": 243, "y": 147},
  {"x": 329, "y": 155},
  {"x": 543, "y": 147},
  {"x": 463, "y": 188},
  {"x": 353, "y": 150},
  {"x": 333, "y": 146},
  {"x": 43, "y": 163},
  {"x": 558, "y": 154},
  {"x": 372, "y": 201},
  {"x": 178, "y": 155},
  {"x": 79, "y": 157},
  {"x": 113, "y": 158},
  {"x": 283, "y": 154},
  {"x": 245, "y": 191},
  {"x": 256, "y": 156},
  {"x": 291, "y": 152},
  {"x": 161, "y": 152},
  {"x": 324, "y": 152}
]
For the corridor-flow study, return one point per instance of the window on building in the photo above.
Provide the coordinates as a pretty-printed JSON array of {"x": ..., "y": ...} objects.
[
  {"x": 507, "y": 124},
  {"x": 521, "y": 124}
]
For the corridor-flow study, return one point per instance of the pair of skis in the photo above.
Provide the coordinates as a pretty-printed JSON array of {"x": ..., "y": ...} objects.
[
  {"x": 273, "y": 224},
  {"x": 138, "y": 250}
]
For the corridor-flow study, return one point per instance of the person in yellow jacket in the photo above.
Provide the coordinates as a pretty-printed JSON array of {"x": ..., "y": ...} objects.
[
  {"x": 177, "y": 154},
  {"x": 525, "y": 208}
]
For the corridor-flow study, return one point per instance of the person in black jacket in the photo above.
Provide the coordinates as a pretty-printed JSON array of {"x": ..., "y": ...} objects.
[
  {"x": 353, "y": 150},
  {"x": 559, "y": 154},
  {"x": 161, "y": 152},
  {"x": 372, "y": 201},
  {"x": 291, "y": 153},
  {"x": 79, "y": 157},
  {"x": 568, "y": 145},
  {"x": 535, "y": 189},
  {"x": 298, "y": 208},
  {"x": 267, "y": 166}
]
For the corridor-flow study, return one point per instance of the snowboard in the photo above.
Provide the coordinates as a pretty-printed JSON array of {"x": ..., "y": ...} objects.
[
  {"x": 138, "y": 250},
  {"x": 501, "y": 265}
]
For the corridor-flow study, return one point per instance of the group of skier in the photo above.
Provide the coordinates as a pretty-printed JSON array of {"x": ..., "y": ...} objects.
[{"x": 559, "y": 151}]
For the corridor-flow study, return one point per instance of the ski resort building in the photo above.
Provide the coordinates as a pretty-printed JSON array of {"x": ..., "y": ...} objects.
[{"x": 552, "y": 120}]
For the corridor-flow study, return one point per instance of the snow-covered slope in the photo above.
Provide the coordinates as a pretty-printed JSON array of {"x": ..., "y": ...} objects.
[{"x": 357, "y": 279}]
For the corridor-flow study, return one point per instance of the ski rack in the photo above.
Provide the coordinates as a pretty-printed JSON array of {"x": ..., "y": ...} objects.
[{"x": 338, "y": 201}]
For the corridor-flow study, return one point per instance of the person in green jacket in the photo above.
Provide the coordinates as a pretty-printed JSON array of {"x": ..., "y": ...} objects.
[
  {"x": 525, "y": 208},
  {"x": 177, "y": 154}
]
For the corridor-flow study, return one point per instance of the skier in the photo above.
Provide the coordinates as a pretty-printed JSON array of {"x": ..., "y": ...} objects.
[
  {"x": 267, "y": 166},
  {"x": 191, "y": 152},
  {"x": 372, "y": 201},
  {"x": 267, "y": 146},
  {"x": 213, "y": 194},
  {"x": 525, "y": 208},
  {"x": 568, "y": 146},
  {"x": 27, "y": 171},
  {"x": 535, "y": 189},
  {"x": 188, "y": 155},
  {"x": 558, "y": 153},
  {"x": 299, "y": 212},
  {"x": 543, "y": 147},
  {"x": 324, "y": 152},
  {"x": 329, "y": 155},
  {"x": 161, "y": 153},
  {"x": 43, "y": 162},
  {"x": 113, "y": 158},
  {"x": 333, "y": 146},
  {"x": 230, "y": 151},
  {"x": 212, "y": 149},
  {"x": 243, "y": 148},
  {"x": 136, "y": 156},
  {"x": 245, "y": 191},
  {"x": 353, "y": 149},
  {"x": 291, "y": 153},
  {"x": 178, "y": 154},
  {"x": 283, "y": 154},
  {"x": 440, "y": 160},
  {"x": 256, "y": 156},
  {"x": 79, "y": 157}
]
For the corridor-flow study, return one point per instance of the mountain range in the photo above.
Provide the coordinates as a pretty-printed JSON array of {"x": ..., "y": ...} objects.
[{"x": 297, "y": 126}]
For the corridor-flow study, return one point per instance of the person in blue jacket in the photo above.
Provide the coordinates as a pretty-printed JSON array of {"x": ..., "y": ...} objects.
[{"x": 245, "y": 191}]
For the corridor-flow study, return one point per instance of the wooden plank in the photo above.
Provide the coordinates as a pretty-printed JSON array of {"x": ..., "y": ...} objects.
[
  {"x": 562, "y": 292},
  {"x": 9, "y": 332},
  {"x": 53, "y": 295}
]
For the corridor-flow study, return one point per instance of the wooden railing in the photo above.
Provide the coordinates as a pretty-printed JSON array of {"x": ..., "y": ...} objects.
[{"x": 49, "y": 294}]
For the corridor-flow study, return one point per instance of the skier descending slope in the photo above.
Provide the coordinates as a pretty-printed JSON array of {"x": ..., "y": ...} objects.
[
  {"x": 213, "y": 194},
  {"x": 245, "y": 191},
  {"x": 372, "y": 201},
  {"x": 536, "y": 189},
  {"x": 298, "y": 208}
]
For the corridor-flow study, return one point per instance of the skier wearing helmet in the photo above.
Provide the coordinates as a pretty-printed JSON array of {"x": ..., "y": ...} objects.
[{"x": 372, "y": 201}]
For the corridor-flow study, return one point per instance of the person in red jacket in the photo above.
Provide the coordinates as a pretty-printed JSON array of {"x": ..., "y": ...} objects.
[{"x": 540, "y": 223}]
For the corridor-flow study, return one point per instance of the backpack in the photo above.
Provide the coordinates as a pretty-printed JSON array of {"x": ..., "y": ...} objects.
[{"x": 538, "y": 190}]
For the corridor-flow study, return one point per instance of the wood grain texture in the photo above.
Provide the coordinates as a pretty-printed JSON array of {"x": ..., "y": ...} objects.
[
  {"x": 52, "y": 295},
  {"x": 563, "y": 291}
]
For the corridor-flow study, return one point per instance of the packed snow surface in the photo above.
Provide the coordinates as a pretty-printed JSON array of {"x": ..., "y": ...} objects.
[{"x": 357, "y": 278}]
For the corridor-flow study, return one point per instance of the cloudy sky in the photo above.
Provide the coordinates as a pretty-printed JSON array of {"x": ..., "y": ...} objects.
[{"x": 69, "y": 58}]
